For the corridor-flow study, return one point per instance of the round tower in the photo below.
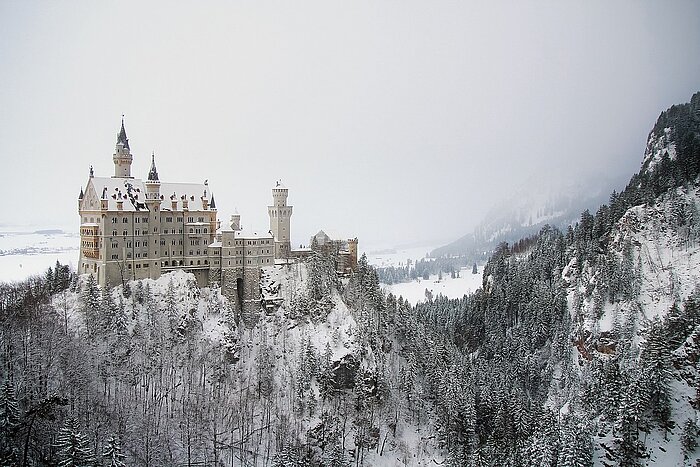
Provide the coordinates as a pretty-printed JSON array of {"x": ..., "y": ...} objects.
[
  {"x": 280, "y": 214},
  {"x": 122, "y": 155}
]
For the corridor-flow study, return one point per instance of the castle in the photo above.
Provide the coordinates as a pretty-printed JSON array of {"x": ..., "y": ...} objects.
[{"x": 136, "y": 229}]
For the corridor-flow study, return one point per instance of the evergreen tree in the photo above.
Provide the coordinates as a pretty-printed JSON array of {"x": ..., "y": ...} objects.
[
  {"x": 90, "y": 305},
  {"x": 72, "y": 447},
  {"x": 113, "y": 453}
]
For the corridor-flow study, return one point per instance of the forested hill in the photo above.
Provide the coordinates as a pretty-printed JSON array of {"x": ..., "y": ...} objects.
[{"x": 581, "y": 348}]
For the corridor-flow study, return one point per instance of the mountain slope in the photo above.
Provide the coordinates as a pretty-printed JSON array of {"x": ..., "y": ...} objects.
[{"x": 537, "y": 204}]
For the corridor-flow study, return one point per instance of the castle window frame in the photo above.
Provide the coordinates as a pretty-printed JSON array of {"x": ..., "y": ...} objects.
[
  {"x": 125, "y": 220},
  {"x": 114, "y": 220}
]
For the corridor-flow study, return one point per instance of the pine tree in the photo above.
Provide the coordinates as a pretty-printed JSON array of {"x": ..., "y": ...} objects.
[
  {"x": 90, "y": 304},
  {"x": 73, "y": 448},
  {"x": 108, "y": 310},
  {"x": 336, "y": 457},
  {"x": 119, "y": 322},
  {"x": 113, "y": 453}
]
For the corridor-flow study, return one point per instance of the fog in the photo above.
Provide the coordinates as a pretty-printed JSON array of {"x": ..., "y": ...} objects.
[{"x": 392, "y": 121}]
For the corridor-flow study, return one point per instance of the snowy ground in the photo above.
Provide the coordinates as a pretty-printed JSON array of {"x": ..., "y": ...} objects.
[
  {"x": 23, "y": 254},
  {"x": 414, "y": 291}
]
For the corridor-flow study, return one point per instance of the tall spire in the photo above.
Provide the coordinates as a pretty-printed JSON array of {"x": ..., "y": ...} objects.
[
  {"x": 121, "y": 137},
  {"x": 153, "y": 173}
]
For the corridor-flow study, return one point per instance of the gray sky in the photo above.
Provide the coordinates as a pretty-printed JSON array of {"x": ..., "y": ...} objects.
[{"x": 393, "y": 121}]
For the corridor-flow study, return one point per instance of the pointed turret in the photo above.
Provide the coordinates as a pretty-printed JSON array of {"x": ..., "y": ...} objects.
[
  {"x": 122, "y": 155},
  {"x": 81, "y": 195},
  {"x": 153, "y": 173},
  {"x": 153, "y": 184},
  {"x": 212, "y": 205},
  {"x": 121, "y": 136}
]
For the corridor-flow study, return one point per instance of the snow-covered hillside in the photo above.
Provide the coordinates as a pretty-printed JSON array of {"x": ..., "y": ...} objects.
[{"x": 662, "y": 258}]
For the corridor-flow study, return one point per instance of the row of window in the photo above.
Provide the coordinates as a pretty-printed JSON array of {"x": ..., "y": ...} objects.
[{"x": 176, "y": 263}]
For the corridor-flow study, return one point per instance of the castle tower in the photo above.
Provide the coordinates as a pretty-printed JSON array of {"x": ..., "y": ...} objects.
[
  {"x": 122, "y": 155},
  {"x": 280, "y": 214},
  {"x": 235, "y": 221},
  {"x": 153, "y": 201},
  {"x": 352, "y": 249}
]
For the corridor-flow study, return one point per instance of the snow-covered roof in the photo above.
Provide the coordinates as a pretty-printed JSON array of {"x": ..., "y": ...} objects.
[
  {"x": 132, "y": 193},
  {"x": 216, "y": 244},
  {"x": 248, "y": 234},
  {"x": 325, "y": 235}
]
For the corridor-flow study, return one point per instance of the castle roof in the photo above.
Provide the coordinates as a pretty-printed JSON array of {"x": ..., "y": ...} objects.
[
  {"x": 251, "y": 235},
  {"x": 132, "y": 193}
]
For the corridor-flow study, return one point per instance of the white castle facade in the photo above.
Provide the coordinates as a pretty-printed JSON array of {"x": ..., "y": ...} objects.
[{"x": 135, "y": 229}]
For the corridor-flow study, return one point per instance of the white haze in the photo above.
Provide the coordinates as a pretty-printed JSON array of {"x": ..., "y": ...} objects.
[{"x": 393, "y": 121}]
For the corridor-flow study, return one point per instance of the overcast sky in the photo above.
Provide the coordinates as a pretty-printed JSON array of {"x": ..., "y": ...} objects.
[{"x": 394, "y": 121}]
